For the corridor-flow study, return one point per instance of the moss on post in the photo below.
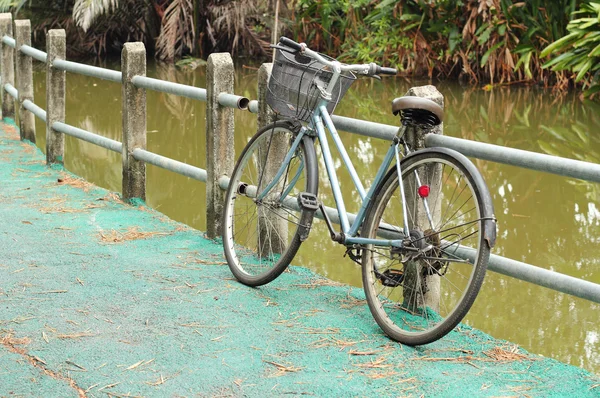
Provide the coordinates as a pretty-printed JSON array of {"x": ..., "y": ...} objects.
[
  {"x": 219, "y": 138},
  {"x": 24, "y": 79},
  {"x": 133, "y": 63},
  {"x": 56, "y": 47}
]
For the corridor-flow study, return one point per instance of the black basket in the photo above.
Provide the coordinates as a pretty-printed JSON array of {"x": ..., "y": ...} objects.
[{"x": 292, "y": 91}]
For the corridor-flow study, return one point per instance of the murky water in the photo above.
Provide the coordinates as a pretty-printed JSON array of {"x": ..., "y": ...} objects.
[{"x": 545, "y": 220}]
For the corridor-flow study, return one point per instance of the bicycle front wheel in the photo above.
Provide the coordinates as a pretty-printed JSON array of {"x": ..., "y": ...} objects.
[
  {"x": 261, "y": 235},
  {"x": 419, "y": 292}
]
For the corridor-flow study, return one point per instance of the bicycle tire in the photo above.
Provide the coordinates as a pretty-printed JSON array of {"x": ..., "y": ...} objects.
[
  {"x": 253, "y": 260},
  {"x": 408, "y": 315}
]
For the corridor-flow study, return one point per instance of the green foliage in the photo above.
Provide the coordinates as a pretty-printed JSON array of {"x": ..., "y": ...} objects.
[
  {"x": 6, "y": 5},
  {"x": 190, "y": 63},
  {"x": 580, "y": 49},
  {"x": 494, "y": 40}
]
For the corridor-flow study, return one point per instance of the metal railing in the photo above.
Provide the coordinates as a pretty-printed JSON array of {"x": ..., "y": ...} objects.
[{"x": 220, "y": 134}]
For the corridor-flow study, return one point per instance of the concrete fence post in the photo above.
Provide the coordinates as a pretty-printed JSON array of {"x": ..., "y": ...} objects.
[
  {"x": 415, "y": 138},
  {"x": 133, "y": 63},
  {"x": 56, "y": 47},
  {"x": 265, "y": 113},
  {"x": 8, "y": 66},
  {"x": 272, "y": 225},
  {"x": 220, "y": 151},
  {"x": 24, "y": 75}
]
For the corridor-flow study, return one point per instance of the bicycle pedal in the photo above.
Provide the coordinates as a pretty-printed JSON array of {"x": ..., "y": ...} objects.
[
  {"x": 391, "y": 277},
  {"x": 308, "y": 201}
]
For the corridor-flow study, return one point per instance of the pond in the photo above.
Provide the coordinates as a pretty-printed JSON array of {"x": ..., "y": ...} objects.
[{"x": 545, "y": 220}]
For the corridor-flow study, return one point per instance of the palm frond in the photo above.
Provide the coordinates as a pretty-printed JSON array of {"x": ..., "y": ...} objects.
[
  {"x": 86, "y": 11},
  {"x": 231, "y": 20},
  {"x": 177, "y": 30},
  {"x": 8, "y": 5}
]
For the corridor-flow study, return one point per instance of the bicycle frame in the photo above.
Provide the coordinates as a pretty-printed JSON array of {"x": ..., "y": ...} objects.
[{"x": 321, "y": 120}]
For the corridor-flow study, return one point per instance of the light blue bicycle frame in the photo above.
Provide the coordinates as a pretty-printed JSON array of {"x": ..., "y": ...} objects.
[{"x": 320, "y": 115}]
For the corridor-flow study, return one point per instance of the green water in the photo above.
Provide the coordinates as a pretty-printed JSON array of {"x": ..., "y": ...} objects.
[{"x": 545, "y": 220}]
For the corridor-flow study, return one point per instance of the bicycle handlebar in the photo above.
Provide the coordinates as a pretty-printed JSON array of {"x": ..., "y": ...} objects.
[
  {"x": 387, "y": 71},
  {"x": 371, "y": 69},
  {"x": 290, "y": 43}
]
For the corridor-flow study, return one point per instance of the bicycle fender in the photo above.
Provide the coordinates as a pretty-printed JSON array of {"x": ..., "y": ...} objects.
[{"x": 489, "y": 224}]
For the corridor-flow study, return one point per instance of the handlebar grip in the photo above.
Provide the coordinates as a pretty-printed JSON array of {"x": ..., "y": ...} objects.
[
  {"x": 387, "y": 71},
  {"x": 290, "y": 43}
]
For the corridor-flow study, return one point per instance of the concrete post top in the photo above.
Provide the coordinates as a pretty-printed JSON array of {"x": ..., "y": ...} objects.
[
  {"x": 5, "y": 16},
  {"x": 220, "y": 59},
  {"x": 135, "y": 47},
  {"x": 429, "y": 92},
  {"x": 60, "y": 33},
  {"x": 23, "y": 23}
]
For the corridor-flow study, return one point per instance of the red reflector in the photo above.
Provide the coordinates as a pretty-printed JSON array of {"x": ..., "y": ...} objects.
[{"x": 424, "y": 191}]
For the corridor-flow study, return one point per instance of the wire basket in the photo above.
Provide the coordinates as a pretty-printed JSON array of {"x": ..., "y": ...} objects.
[{"x": 293, "y": 87}]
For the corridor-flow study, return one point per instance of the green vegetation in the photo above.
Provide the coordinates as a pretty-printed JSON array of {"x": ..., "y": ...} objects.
[
  {"x": 580, "y": 49},
  {"x": 495, "y": 41},
  {"x": 492, "y": 42}
]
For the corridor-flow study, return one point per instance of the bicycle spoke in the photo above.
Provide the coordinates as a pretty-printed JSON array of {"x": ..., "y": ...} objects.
[
  {"x": 259, "y": 237},
  {"x": 407, "y": 310}
]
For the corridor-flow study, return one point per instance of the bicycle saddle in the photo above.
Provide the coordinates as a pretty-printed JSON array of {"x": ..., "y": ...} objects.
[{"x": 417, "y": 110}]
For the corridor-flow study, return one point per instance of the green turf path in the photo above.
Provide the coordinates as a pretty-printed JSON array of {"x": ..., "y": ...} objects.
[{"x": 162, "y": 317}]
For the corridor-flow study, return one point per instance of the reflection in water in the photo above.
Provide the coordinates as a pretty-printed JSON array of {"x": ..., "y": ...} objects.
[{"x": 546, "y": 220}]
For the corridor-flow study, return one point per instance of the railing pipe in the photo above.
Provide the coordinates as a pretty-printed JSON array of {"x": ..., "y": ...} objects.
[
  {"x": 543, "y": 277},
  {"x": 233, "y": 101},
  {"x": 538, "y": 276},
  {"x": 34, "y": 53},
  {"x": 502, "y": 265},
  {"x": 182, "y": 90},
  {"x": 11, "y": 90},
  {"x": 88, "y": 70},
  {"x": 170, "y": 164},
  {"x": 363, "y": 127},
  {"x": 517, "y": 157},
  {"x": 9, "y": 41},
  {"x": 291, "y": 202},
  {"x": 36, "y": 110},
  {"x": 87, "y": 136},
  {"x": 253, "y": 106}
]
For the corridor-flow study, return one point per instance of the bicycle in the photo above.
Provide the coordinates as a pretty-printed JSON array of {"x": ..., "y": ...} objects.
[{"x": 426, "y": 225}]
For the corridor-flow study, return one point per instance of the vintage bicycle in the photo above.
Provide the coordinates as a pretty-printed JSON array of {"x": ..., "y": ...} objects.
[{"x": 425, "y": 227}]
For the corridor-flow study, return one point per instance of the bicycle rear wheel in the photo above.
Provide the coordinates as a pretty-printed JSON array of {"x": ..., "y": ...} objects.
[
  {"x": 419, "y": 293},
  {"x": 262, "y": 236}
]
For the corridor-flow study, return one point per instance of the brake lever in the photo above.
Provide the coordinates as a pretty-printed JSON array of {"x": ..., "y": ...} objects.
[{"x": 367, "y": 74}]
